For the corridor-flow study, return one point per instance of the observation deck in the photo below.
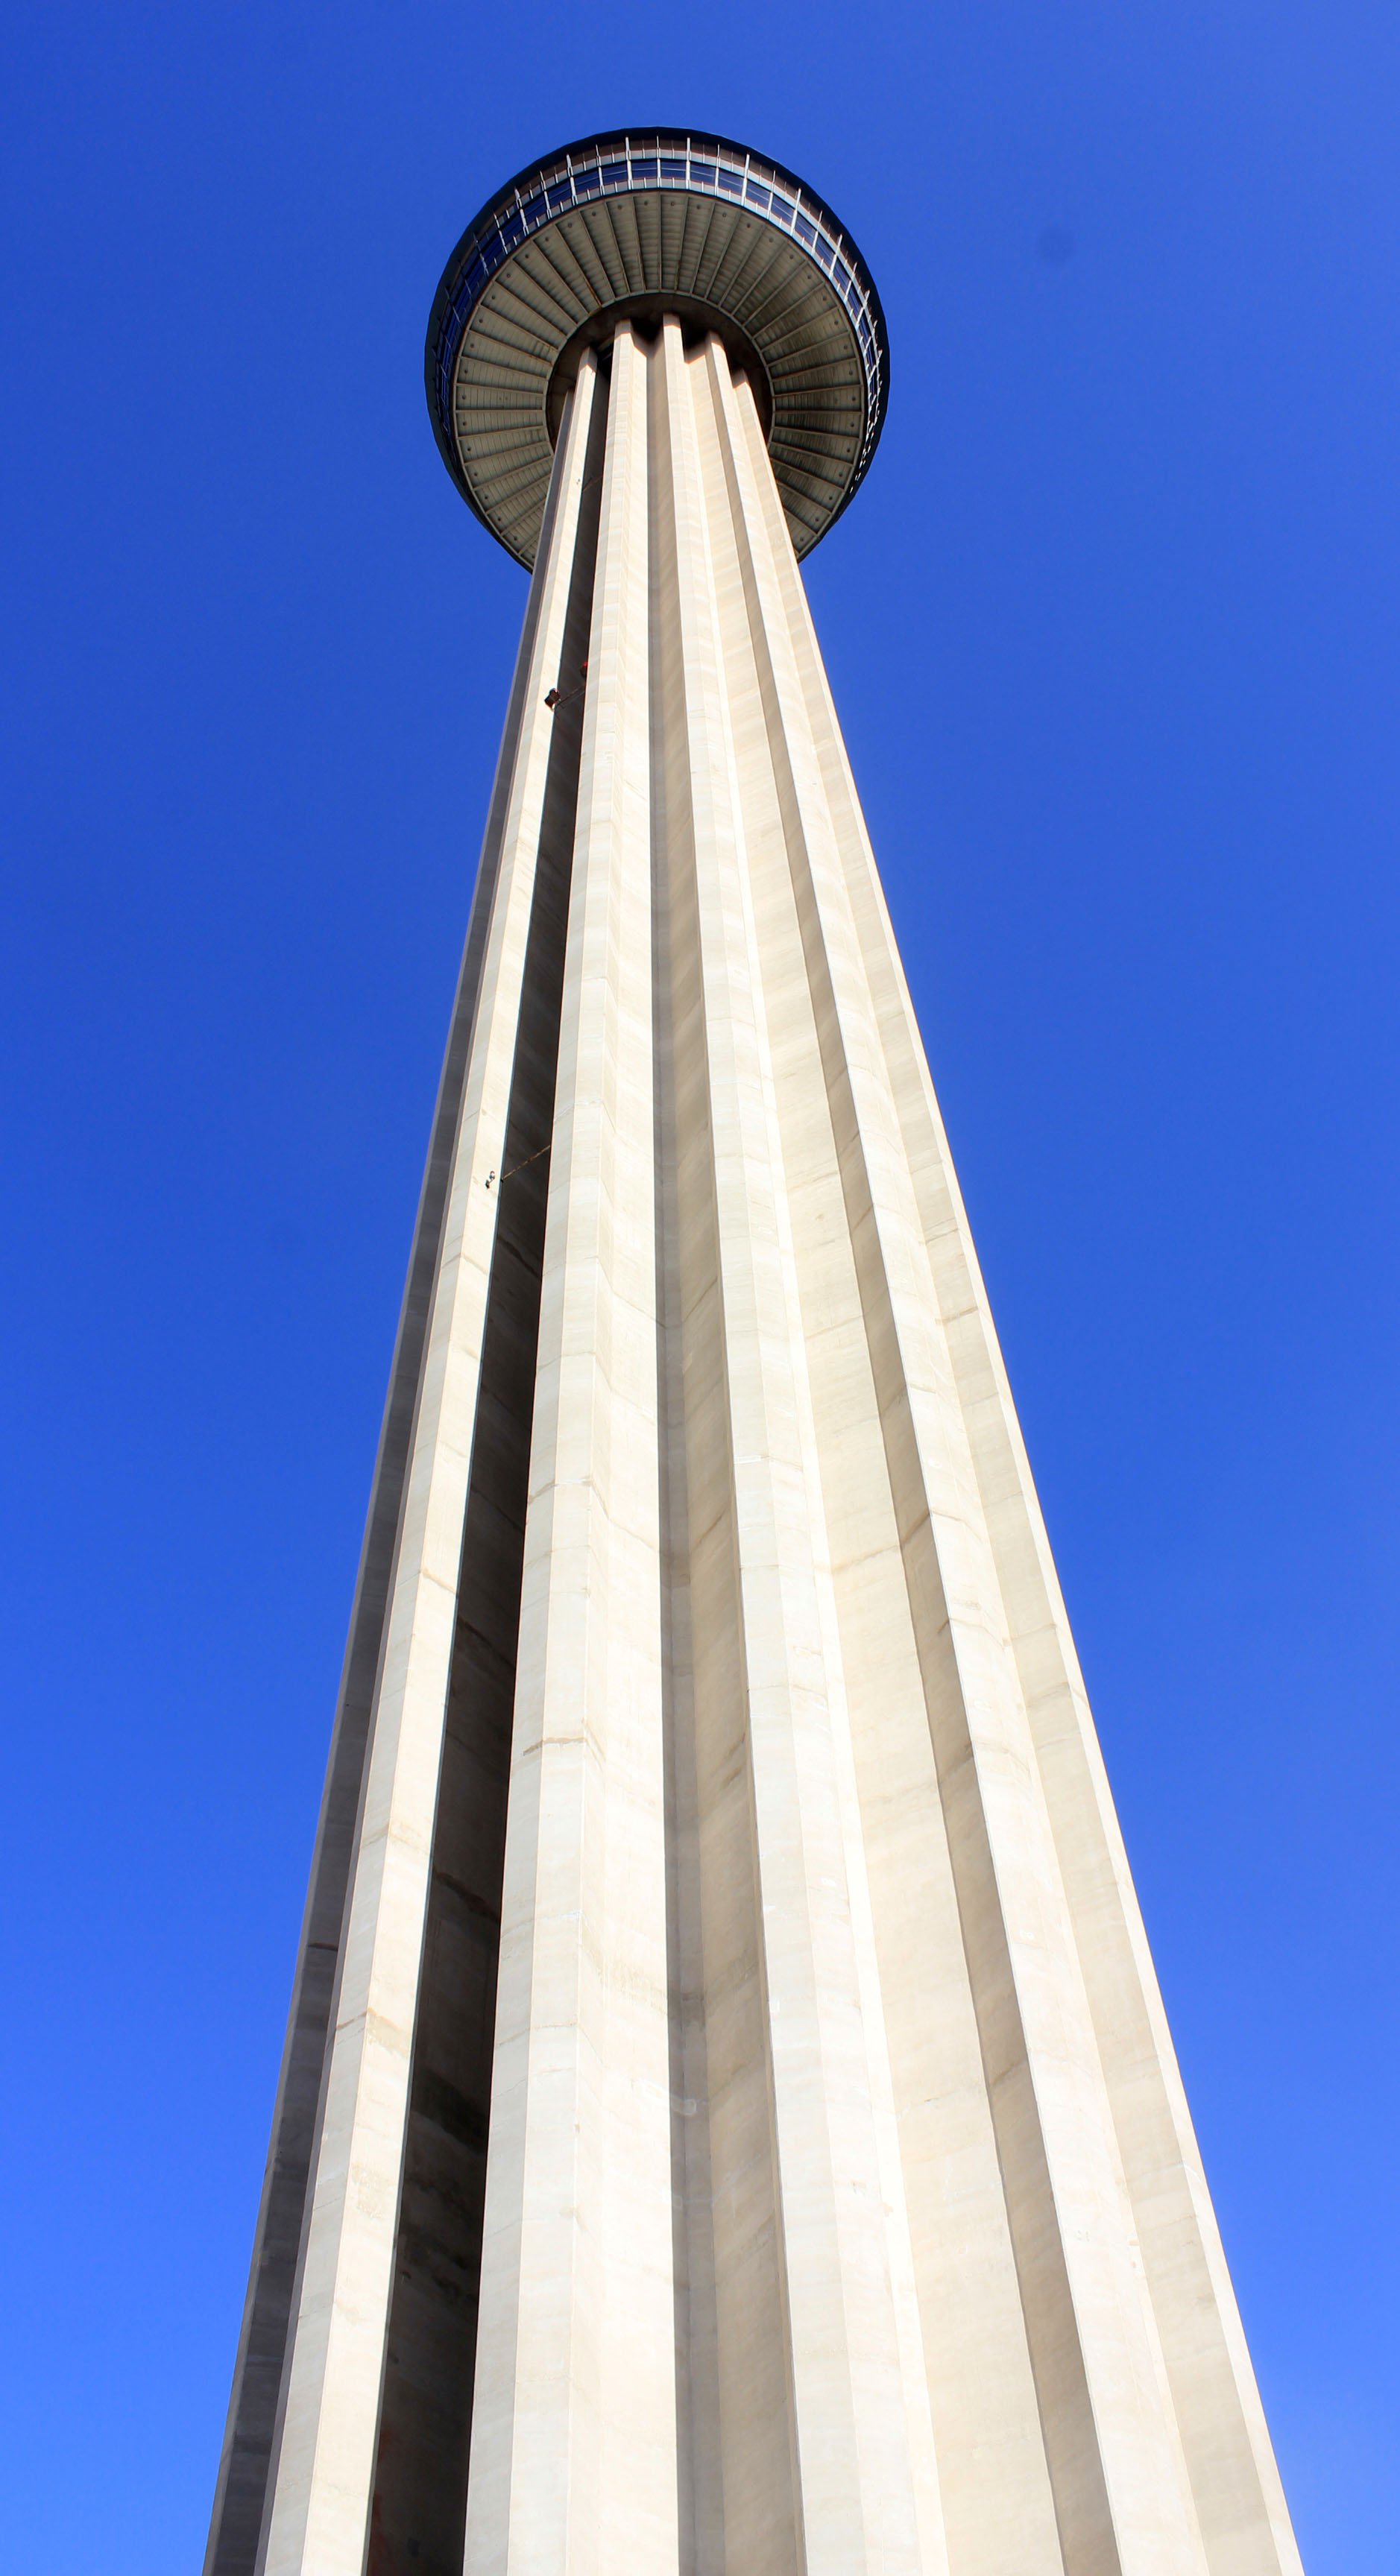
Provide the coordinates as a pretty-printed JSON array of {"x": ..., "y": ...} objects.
[{"x": 636, "y": 225}]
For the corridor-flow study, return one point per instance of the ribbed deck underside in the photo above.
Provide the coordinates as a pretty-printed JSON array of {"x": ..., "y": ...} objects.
[{"x": 706, "y": 250}]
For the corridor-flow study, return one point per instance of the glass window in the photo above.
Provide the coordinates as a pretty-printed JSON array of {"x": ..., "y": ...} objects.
[
  {"x": 585, "y": 182},
  {"x": 731, "y": 180},
  {"x": 614, "y": 174},
  {"x": 673, "y": 169},
  {"x": 644, "y": 169},
  {"x": 781, "y": 208},
  {"x": 805, "y": 231},
  {"x": 756, "y": 196},
  {"x": 560, "y": 195},
  {"x": 703, "y": 173},
  {"x": 534, "y": 208}
]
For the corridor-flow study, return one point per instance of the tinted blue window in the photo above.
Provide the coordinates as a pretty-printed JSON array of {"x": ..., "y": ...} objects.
[
  {"x": 842, "y": 276},
  {"x": 825, "y": 253},
  {"x": 614, "y": 173},
  {"x": 561, "y": 195},
  {"x": 756, "y": 196},
  {"x": 805, "y": 231},
  {"x": 585, "y": 182},
  {"x": 512, "y": 227},
  {"x": 533, "y": 209},
  {"x": 703, "y": 173},
  {"x": 731, "y": 180},
  {"x": 782, "y": 209},
  {"x": 673, "y": 169},
  {"x": 644, "y": 169}
]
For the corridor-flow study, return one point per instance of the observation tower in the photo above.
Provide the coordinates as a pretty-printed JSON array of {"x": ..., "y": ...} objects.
[{"x": 728, "y": 2125}]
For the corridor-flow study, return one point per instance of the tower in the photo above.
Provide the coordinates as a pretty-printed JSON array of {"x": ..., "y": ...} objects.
[{"x": 728, "y": 2123}]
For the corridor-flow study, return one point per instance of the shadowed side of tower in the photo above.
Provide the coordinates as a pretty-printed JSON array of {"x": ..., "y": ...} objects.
[{"x": 730, "y": 2124}]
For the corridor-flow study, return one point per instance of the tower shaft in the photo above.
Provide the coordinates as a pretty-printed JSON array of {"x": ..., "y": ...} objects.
[{"x": 729, "y": 2123}]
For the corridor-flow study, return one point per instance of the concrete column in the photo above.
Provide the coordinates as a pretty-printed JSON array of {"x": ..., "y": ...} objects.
[
  {"x": 963, "y": 2350},
  {"x": 325, "y": 2456},
  {"x": 857, "y": 2482},
  {"x": 1234, "y": 2479},
  {"x": 842, "y": 2209},
  {"x": 737, "y": 2390},
  {"x": 1112, "y": 2444},
  {"x": 574, "y": 2437}
]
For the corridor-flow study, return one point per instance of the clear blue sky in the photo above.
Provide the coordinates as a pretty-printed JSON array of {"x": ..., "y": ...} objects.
[{"x": 1113, "y": 630}]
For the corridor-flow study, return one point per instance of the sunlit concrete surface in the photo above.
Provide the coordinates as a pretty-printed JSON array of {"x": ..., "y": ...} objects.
[{"x": 729, "y": 2123}]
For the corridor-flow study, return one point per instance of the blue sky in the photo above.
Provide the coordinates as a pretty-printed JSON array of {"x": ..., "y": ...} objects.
[{"x": 1113, "y": 630}]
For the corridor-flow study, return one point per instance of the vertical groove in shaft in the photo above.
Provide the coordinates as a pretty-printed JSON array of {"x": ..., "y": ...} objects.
[
  {"x": 754, "y": 2464},
  {"x": 700, "y": 2484}
]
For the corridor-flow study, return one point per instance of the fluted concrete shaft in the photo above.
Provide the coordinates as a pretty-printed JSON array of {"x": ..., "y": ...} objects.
[{"x": 842, "y": 2212}]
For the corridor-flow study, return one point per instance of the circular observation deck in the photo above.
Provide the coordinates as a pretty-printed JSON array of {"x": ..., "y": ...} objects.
[{"x": 637, "y": 225}]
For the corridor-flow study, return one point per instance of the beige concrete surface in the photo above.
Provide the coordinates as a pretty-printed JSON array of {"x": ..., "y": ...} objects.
[
  {"x": 842, "y": 2208},
  {"x": 319, "y": 2505}
]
